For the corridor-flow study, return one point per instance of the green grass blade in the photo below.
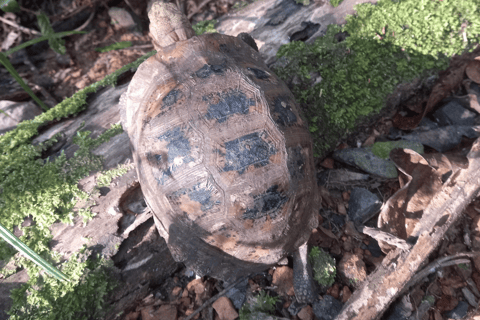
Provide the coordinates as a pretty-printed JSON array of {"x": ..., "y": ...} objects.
[
  {"x": 30, "y": 254},
  {"x": 40, "y": 39},
  {"x": 16, "y": 76}
]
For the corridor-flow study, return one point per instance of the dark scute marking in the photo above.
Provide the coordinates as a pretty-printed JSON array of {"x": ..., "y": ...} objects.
[
  {"x": 178, "y": 146},
  {"x": 224, "y": 48},
  {"x": 172, "y": 97},
  {"x": 160, "y": 162},
  {"x": 232, "y": 102},
  {"x": 207, "y": 70},
  {"x": 248, "y": 150},
  {"x": 260, "y": 74},
  {"x": 282, "y": 112},
  {"x": 296, "y": 163},
  {"x": 197, "y": 193},
  {"x": 203, "y": 196},
  {"x": 269, "y": 203}
]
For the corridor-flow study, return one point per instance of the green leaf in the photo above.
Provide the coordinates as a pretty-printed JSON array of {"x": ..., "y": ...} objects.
[
  {"x": 30, "y": 254},
  {"x": 9, "y": 6},
  {"x": 57, "y": 44},
  {"x": 115, "y": 46},
  {"x": 16, "y": 76}
]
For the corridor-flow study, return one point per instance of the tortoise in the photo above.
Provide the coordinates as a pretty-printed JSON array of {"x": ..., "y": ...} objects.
[{"x": 222, "y": 153}]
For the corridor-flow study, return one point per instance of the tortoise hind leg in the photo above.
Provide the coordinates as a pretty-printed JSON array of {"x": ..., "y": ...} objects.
[{"x": 302, "y": 276}]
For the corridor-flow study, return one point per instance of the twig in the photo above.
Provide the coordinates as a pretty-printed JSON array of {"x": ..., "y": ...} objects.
[
  {"x": 440, "y": 263},
  {"x": 200, "y": 6},
  {"x": 213, "y": 299},
  {"x": 23, "y": 29},
  {"x": 386, "y": 237},
  {"x": 85, "y": 24}
]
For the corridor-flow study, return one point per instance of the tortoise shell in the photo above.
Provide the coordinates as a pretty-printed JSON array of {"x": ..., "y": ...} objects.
[{"x": 223, "y": 156}]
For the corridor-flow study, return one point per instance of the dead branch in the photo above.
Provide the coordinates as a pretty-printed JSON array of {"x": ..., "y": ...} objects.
[{"x": 382, "y": 287}]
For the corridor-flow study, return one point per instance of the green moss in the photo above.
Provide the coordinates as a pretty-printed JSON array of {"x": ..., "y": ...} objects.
[
  {"x": 264, "y": 303},
  {"x": 83, "y": 297},
  {"x": 323, "y": 266},
  {"x": 304, "y": 2},
  {"x": 392, "y": 42},
  {"x": 335, "y": 3},
  {"x": 429, "y": 299},
  {"x": 382, "y": 149},
  {"x": 47, "y": 191},
  {"x": 106, "y": 177},
  {"x": 207, "y": 26},
  {"x": 115, "y": 46}
]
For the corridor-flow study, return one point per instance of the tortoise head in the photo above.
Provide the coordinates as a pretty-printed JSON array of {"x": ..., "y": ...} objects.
[{"x": 168, "y": 25}]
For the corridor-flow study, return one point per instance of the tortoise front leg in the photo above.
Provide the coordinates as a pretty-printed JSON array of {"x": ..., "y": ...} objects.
[{"x": 302, "y": 276}]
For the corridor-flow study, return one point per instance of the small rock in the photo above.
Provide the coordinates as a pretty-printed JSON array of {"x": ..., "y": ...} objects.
[
  {"x": 121, "y": 18},
  {"x": 402, "y": 310},
  {"x": 176, "y": 291},
  {"x": 196, "y": 286},
  {"x": 346, "y": 294},
  {"x": 327, "y": 308},
  {"x": 352, "y": 268},
  {"x": 327, "y": 163},
  {"x": 446, "y": 303},
  {"x": 362, "y": 205},
  {"x": 337, "y": 178},
  {"x": 190, "y": 311},
  {"x": 295, "y": 307},
  {"x": 283, "y": 279},
  {"x": 334, "y": 291},
  {"x": 165, "y": 312},
  {"x": 444, "y": 138},
  {"x": 306, "y": 313},
  {"x": 459, "y": 312},
  {"x": 453, "y": 113},
  {"x": 470, "y": 297},
  {"x": 364, "y": 159},
  {"x": 132, "y": 316},
  {"x": 224, "y": 308},
  {"x": 238, "y": 294},
  {"x": 16, "y": 112}
]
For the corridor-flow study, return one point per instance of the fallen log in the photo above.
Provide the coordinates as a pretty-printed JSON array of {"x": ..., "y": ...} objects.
[
  {"x": 389, "y": 280},
  {"x": 273, "y": 23}
]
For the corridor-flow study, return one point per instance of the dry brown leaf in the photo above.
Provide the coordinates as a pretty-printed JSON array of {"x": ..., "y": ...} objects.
[
  {"x": 473, "y": 71},
  {"x": 404, "y": 209},
  {"x": 448, "y": 81}
]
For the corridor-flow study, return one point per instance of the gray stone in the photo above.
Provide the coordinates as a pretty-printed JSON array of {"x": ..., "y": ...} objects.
[
  {"x": 444, "y": 138},
  {"x": 459, "y": 312},
  {"x": 453, "y": 113},
  {"x": 364, "y": 159},
  {"x": 340, "y": 177},
  {"x": 327, "y": 308},
  {"x": 295, "y": 307},
  {"x": 238, "y": 294},
  {"x": 362, "y": 205},
  {"x": 16, "y": 112}
]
